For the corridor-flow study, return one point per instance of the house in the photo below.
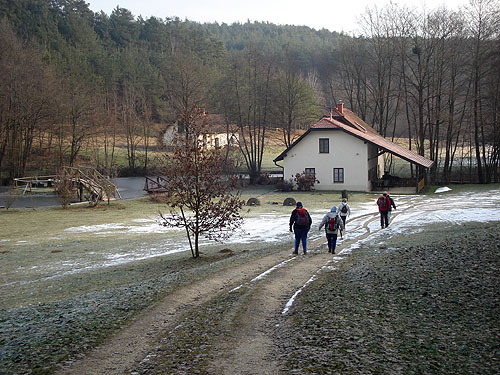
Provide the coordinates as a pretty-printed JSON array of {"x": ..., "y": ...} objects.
[
  {"x": 222, "y": 135},
  {"x": 345, "y": 153}
]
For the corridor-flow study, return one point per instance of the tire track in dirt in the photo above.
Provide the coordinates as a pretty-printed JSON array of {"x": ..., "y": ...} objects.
[
  {"x": 132, "y": 343},
  {"x": 249, "y": 350}
]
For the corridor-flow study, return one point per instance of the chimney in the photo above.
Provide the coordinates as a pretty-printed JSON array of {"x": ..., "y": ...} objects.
[{"x": 340, "y": 108}]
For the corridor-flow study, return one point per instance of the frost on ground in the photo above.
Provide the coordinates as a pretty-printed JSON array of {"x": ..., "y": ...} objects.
[
  {"x": 55, "y": 329},
  {"x": 423, "y": 303}
]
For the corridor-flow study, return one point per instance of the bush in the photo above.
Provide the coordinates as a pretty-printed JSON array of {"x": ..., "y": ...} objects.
[
  {"x": 263, "y": 179},
  {"x": 289, "y": 202},
  {"x": 305, "y": 182},
  {"x": 11, "y": 196},
  {"x": 285, "y": 185}
]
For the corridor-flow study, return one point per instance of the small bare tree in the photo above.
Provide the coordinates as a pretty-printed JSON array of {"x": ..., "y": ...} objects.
[
  {"x": 64, "y": 187},
  {"x": 199, "y": 196},
  {"x": 11, "y": 196}
]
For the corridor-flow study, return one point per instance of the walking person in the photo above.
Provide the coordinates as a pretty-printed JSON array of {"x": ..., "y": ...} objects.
[
  {"x": 383, "y": 204},
  {"x": 333, "y": 223},
  {"x": 391, "y": 206},
  {"x": 344, "y": 210},
  {"x": 300, "y": 223}
]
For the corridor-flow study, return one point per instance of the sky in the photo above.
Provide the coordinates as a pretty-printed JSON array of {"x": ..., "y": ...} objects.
[{"x": 333, "y": 15}]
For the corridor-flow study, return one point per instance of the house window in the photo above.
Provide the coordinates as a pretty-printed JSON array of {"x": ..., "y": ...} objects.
[
  {"x": 324, "y": 145},
  {"x": 310, "y": 171},
  {"x": 338, "y": 175}
]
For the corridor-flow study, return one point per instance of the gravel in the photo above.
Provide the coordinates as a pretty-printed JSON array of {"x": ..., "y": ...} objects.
[{"x": 426, "y": 303}]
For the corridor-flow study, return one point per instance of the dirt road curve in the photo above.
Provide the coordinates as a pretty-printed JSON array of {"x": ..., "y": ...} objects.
[{"x": 248, "y": 350}]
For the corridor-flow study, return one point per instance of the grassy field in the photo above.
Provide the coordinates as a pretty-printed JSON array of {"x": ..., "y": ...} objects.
[
  {"x": 69, "y": 277},
  {"x": 51, "y": 253}
]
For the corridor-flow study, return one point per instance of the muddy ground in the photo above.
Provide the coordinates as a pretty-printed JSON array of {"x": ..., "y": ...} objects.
[
  {"x": 422, "y": 304},
  {"x": 425, "y": 302}
]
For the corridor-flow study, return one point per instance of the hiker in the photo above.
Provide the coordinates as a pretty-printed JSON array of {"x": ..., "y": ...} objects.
[
  {"x": 391, "y": 206},
  {"x": 301, "y": 222},
  {"x": 333, "y": 223},
  {"x": 383, "y": 204},
  {"x": 344, "y": 210}
]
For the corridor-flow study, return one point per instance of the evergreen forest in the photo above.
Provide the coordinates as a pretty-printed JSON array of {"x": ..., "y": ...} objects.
[{"x": 83, "y": 87}]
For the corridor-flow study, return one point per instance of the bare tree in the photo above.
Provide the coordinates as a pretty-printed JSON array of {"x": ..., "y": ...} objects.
[
  {"x": 26, "y": 85},
  {"x": 294, "y": 102},
  {"x": 483, "y": 21},
  {"x": 200, "y": 197},
  {"x": 186, "y": 83},
  {"x": 65, "y": 187},
  {"x": 249, "y": 95}
]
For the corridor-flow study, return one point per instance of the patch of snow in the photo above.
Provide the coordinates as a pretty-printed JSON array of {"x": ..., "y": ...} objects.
[
  {"x": 235, "y": 289},
  {"x": 292, "y": 299},
  {"x": 95, "y": 228},
  {"x": 442, "y": 189},
  {"x": 265, "y": 273}
]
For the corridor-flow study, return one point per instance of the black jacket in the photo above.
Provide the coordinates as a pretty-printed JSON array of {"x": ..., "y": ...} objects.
[{"x": 295, "y": 215}]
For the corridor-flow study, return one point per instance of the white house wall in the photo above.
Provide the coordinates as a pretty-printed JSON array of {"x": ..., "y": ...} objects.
[{"x": 345, "y": 151}]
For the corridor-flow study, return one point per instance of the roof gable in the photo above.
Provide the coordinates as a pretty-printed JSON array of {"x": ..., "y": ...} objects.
[{"x": 352, "y": 124}]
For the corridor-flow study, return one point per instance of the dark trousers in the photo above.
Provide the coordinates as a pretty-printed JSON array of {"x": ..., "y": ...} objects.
[
  {"x": 332, "y": 241},
  {"x": 343, "y": 219},
  {"x": 384, "y": 220},
  {"x": 300, "y": 235}
]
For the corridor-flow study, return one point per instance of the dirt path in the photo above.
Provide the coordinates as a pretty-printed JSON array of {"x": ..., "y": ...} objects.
[
  {"x": 132, "y": 343},
  {"x": 248, "y": 351}
]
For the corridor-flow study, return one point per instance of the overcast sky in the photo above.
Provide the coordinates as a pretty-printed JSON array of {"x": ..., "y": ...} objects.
[{"x": 334, "y": 15}]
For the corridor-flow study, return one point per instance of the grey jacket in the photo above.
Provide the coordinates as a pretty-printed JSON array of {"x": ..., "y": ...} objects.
[
  {"x": 326, "y": 219},
  {"x": 339, "y": 209}
]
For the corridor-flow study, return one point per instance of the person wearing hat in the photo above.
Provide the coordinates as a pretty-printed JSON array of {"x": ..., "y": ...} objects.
[
  {"x": 332, "y": 223},
  {"x": 300, "y": 223}
]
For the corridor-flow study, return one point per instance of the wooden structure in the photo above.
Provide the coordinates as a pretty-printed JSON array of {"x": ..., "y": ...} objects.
[
  {"x": 28, "y": 183},
  {"x": 91, "y": 185},
  {"x": 87, "y": 182},
  {"x": 155, "y": 185}
]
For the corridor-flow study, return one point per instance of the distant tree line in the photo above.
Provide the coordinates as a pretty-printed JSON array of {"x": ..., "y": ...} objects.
[{"x": 77, "y": 85}]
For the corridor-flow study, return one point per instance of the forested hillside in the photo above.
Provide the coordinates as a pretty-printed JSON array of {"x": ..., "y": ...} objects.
[{"x": 78, "y": 86}]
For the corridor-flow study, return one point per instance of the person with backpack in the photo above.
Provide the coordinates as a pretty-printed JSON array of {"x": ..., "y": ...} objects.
[
  {"x": 300, "y": 221},
  {"x": 344, "y": 210},
  {"x": 333, "y": 223},
  {"x": 383, "y": 204},
  {"x": 391, "y": 206}
]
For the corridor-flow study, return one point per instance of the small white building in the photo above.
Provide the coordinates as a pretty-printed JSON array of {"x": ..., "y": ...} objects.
[
  {"x": 343, "y": 153},
  {"x": 222, "y": 135}
]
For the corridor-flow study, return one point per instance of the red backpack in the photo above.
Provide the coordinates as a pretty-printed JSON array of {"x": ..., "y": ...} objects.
[
  {"x": 301, "y": 217},
  {"x": 382, "y": 203},
  {"x": 333, "y": 223}
]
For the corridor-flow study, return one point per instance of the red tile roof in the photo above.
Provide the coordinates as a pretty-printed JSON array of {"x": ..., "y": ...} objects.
[{"x": 358, "y": 128}]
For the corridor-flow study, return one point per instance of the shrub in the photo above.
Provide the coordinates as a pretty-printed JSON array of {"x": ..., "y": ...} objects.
[
  {"x": 285, "y": 185},
  {"x": 305, "y": 182}
]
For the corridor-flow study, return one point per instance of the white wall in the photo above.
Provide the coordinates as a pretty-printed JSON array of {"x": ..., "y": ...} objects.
[{"x": 346, "y": 151}]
